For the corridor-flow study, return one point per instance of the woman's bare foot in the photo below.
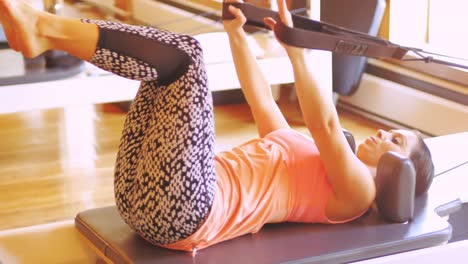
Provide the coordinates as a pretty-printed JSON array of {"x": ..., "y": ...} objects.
[{"x": 19, "y": 21}]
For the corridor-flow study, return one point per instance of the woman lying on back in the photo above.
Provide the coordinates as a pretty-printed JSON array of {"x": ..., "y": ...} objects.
[{"x": 170, "y": 186}]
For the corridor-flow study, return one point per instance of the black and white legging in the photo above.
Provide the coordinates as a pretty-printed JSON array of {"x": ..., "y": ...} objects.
[{"x": 164, "y": 174}]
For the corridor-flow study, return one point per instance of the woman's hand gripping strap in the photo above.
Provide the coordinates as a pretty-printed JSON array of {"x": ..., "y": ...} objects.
[
  {"x": 396, "y": 185},
  {"x": 253, "y": 14}
]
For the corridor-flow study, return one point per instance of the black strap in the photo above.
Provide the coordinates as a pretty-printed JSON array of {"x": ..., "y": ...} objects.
[
  {"x": 311, "y": 34},
  {"x": 344, "y": 44}
]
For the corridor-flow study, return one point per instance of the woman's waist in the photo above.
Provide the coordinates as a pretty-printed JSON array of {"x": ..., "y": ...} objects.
[
  {"x": 244, "y": 201},
  {"x": 307, "y": 180},
  {"x": 263, "y": 189}
]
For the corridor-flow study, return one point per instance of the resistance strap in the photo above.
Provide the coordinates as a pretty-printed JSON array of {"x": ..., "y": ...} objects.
[{"x": 311, "y": 34}]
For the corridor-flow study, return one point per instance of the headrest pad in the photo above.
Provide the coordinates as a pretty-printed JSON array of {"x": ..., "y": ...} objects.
[{"x": 396, "y": 185}]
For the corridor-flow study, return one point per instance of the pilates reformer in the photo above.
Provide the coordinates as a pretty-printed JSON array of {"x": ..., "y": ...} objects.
[
  {"x": 372, "y": 235},
  {"x": 386, "y": 229}
]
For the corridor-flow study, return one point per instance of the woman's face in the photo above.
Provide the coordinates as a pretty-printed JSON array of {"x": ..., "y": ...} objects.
[{"x": 372, "y": 148}]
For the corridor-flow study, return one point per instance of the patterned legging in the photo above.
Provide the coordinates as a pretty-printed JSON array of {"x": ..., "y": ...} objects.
[{"x": 164, "y": 174}]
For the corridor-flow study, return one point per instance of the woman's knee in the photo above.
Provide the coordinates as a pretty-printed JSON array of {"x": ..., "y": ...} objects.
[{"x": 194, "y": 48}]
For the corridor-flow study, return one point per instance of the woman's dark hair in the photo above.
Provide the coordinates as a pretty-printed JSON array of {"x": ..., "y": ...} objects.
[{"x": 422, "y": 161}]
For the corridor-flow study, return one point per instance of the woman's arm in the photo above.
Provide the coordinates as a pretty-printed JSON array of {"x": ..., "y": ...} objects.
[
  {"x": 351, "y": 181},
  {"x": 255, "y": 86}
]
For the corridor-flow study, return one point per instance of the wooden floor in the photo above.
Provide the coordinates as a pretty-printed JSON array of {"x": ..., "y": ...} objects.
[{"x": 55, "y": 163}]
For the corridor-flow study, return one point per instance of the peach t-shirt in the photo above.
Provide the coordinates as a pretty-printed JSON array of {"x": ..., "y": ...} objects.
[{"x": 277, "y": 178}]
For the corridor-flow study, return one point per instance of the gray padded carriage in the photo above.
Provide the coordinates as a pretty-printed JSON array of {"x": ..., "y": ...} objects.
[{"x": 367, "y": 237}]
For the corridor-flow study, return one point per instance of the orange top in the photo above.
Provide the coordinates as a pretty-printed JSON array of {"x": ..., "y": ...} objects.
[{"x": 277, "y": 178}]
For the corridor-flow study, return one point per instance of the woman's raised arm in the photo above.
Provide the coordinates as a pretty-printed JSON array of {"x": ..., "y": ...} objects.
[
  {"x": 254, "y": 84},
  {"x": 351, "y": 181}
]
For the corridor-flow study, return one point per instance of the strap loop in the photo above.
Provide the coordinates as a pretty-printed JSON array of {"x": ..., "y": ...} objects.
[{"x": 311, "y": 34}]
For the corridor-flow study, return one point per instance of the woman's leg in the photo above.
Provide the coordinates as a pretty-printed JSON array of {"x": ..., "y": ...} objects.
[
  {"x": 164, "y": 178},
  {"x": 164, "y": 175}
]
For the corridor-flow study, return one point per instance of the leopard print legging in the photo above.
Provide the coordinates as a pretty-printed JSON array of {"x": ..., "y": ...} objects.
[{"x": 164, "y": 175}]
